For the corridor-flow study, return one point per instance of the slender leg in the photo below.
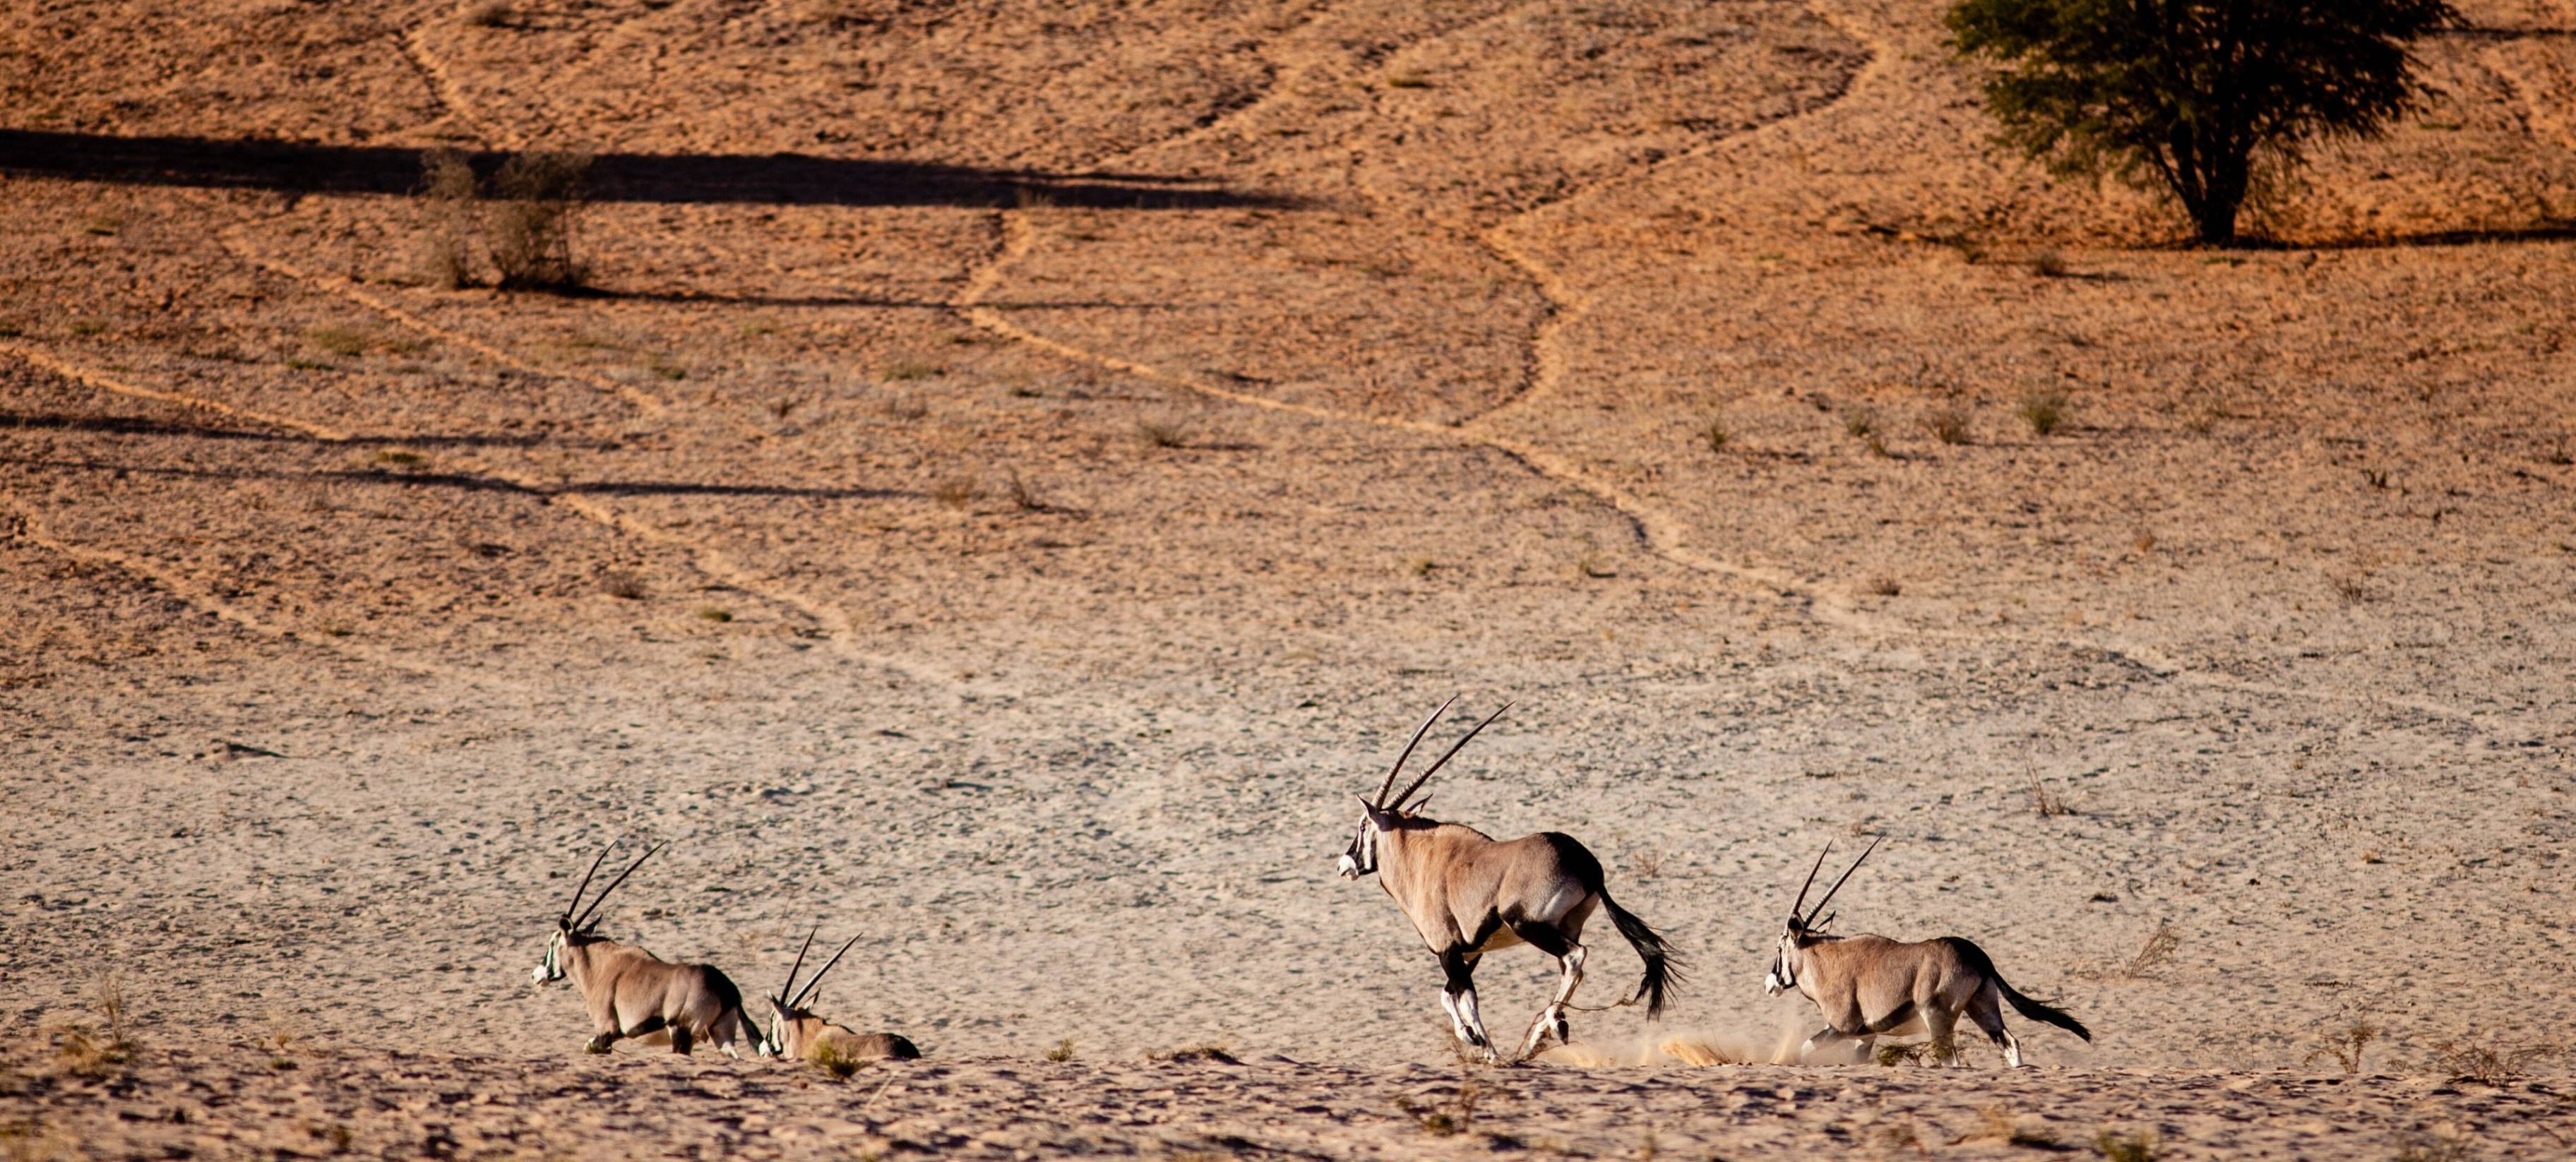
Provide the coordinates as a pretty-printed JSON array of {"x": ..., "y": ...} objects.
[
  {"x": 1569, "y": 967},
  {"x": 1457, "y": 1025},
  {"x": 1986, "y": 1009},
  {"x": 680, "y": 1038},
  {"x": 1461, "y": 992},
  {"x": 1822, "y": 1038},
  {"x": 600, "y": 1041}
]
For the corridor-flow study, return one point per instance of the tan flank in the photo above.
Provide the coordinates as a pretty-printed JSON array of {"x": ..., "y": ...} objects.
[
  {"x": 1468, "y": 894},
  {"x": 631, "y": 992},
  {"x": 1869, "y": 986}
]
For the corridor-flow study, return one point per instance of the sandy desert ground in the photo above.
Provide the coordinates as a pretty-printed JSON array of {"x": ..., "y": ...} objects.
[{"x": 1022, "y": 466}]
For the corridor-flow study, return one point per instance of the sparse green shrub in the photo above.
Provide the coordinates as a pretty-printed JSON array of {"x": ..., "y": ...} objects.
[
  {"x": 1948, "y": 425},
  {"x": 1061, "y": 1050}
]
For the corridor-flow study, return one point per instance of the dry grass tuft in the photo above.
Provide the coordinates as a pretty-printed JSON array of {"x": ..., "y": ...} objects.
[
  {"x": 905, "y": 407},
  {"x": 828, "y": 1059},
  {"x": 2044, "y": 411},
  {"x": 2117, "y": 1147},
  {"x": 1024, "y": 496},
  {"x": 2350, "y": 589},
  {"x": 1860, "y": 422},
  {"x": 1998, "y": 1124},
  {"x": 1949, "y": 425},
  {"x": 715, "y": 613},
  {"x": 2049, "y": 264},
  {"x": 2047, "y": 802},
  {"x": 488, "y": 14},
  {"x": 622, "y": 584},
  {"x": 2433, "y": 1148},
  {"x": 1882, "y": 587},
  {"x": 1163, "y": 433},
  {"x": 1893, "y": 1054},
  {"x": 1061, "y": 1050},
  {"x": 2344, "y": 1044},
  {"x": 2158, "y": 949},
  {"x": 340, "y": 340},
  {"x": 1716, "y": 435},
  {"x": 83, "y": 1050},
  {"x": 543, "y": 196},
  {"x": 2489, "y": 1064},
  {"x": 909, "y": 370},
  {"x": 1448, "y": 1118},
  {"x": 1216, "y": 1051}
]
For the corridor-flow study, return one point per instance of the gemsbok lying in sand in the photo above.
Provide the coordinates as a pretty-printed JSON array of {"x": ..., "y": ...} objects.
[
  {"x": 1870, "y": 986},
  {"x": 1469, "y": 895},
  {"x": 796, "y": 1033},
  {"x": 631, "y": 992}
]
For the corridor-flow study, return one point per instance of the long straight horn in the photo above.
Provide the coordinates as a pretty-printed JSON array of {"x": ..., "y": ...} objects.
[
  {"x": 1444, "y": 759},
  {"x": 585, "y": 882},
  {"x": 817, "y": 978},
  {"x": 790, "y": 986},
  {"x": 1799, "y": 909},
  {"x": 1838, "y": 884},
  {"x": 602, "y": 897},
  {"x": 1398, "y": 768}
]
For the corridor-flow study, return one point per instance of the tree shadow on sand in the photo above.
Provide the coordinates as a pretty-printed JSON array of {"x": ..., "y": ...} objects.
[{"x": 790, "y": 179}]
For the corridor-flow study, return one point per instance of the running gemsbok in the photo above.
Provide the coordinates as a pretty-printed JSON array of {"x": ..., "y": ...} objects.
[
  {"x": 796, "y": 1033},
  {"x": 1468, "y": 895},
  {"x": 631, "y": 992},
  {"x": 1870, "y": 986}
]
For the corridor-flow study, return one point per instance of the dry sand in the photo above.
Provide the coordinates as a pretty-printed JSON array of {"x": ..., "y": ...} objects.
[{"x": 1025, "y": 465}]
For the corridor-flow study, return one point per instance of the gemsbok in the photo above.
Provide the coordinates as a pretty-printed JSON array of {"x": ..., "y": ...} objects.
[
  {"x": 631, "y": 992},
  {"x": 1468, "y": 895},
  {"x": 1871, "y": 986},
  {"x": 796, "y": 1033}
]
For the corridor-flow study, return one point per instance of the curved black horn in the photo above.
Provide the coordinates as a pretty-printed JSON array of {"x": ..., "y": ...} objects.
[
  {"x": 1434, "y": 769},
  {"x": 1838, "y": 884},
  {"x": 784, "y": 989},
  {"x": 602, "y": 897},
  {"x": 1798, "y": 909},
  {"x": 1398, "y": 768},
  {"x": 817, "y": 978},
  {"x": 585, "y": 882}
]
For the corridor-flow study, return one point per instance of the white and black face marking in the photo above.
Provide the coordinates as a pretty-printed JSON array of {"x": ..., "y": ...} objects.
[
  {"x": 550, "y": 969},
  {"x": 1360, "y": 858},
  {"x": 774, "y": 1043},
  {"x": 1784, "y": 965}
]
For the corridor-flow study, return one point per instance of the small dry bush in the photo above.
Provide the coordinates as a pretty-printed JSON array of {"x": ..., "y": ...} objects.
[
  {"x": 622, "y": 584},
  {"x": 84, "y": 1050},
  {"x": 2344, "y": 1043},
  {"x": 447, "y": 192},
  {"x": 2044, "y": 411},
  {"x": 28, "y": 1140},
  {"x": 1061, "y": 1050},
  {"x": 1447, "y": 1118},
  {"x": 1860, "y": 422},
  {"x": 1882, "y": 587},
  {"x": 2489, "y": 1064},
  {"x": 2117, "y": 1147},
  {"x": 340, "y": 340},
  {"x": 1716, "y": 435},
  {"x": 2048, "y": 802},
  {"x": 905, "y": 407},
  {"x": 1948, "y": 425},
  {"x": 2351, "y": 590},
  {"x": 1163, "y": 433},
  {"x": 1647, "y": 865},
  {"x": 487, "y": 14},
  {"x": 909, "y": 370},
  {"x": 2049, "y": 264},
  {"x": 543, "y": 196},
  {"x": 958, "y": 493}
]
